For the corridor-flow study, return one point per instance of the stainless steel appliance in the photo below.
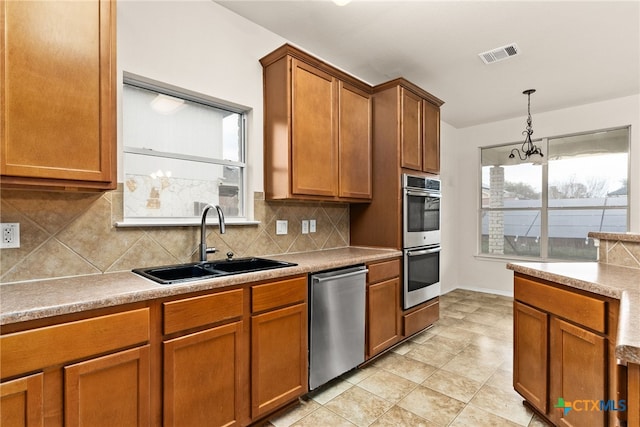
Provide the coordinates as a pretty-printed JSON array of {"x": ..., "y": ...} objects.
[
  {"x": 421, "y": 275},
  {"x": 421, "y": 239},
  {"x": 336, "y": 323},
  {"x": 421, "y": 211}
]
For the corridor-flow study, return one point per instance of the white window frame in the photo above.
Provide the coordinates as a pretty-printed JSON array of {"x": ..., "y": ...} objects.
[
  {"x": 544, "y": 205},
  {"x": 134, "y": 80}
]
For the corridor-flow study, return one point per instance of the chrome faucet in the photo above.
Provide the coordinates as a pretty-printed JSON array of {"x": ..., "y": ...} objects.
[{"x": 204, "y": 250}]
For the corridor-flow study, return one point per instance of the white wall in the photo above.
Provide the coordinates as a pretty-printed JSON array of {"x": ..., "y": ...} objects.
[
  {"x": 460, "y": 150},
  {"x": 449, "y": 175},
  {"x": 200, "y": 46}
]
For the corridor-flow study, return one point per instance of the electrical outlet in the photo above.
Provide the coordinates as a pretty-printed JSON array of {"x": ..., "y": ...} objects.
[
  {"x": 10, "y": 235},
  {"x": 305, "y": 226},
  {"x": 312, "y": 225},
  {"x": 281, "y": 226}
]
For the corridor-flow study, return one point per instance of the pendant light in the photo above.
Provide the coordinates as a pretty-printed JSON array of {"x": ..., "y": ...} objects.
[{"x": 528, "y": 149}]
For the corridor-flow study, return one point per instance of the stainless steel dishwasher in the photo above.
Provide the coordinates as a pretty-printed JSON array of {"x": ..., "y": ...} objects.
[{"x": 336, "y": 323}]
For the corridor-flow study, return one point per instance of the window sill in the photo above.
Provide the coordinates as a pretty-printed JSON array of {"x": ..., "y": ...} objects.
[
  {"x": 179, "y": 222},
  {"x": 505, "y": 258}
]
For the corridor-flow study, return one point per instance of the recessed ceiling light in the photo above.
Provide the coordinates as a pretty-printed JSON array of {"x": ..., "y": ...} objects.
[{"x": 342, "y": 2}]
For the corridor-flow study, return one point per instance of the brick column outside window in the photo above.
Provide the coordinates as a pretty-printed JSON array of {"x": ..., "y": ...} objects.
[{"x": 496, "y": 219}]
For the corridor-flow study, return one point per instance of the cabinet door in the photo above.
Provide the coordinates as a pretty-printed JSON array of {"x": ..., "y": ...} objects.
[
  {"x": 314, "y": 138},
  {"x": 58, "y": 92},
  {"x": 411, "y": 130},
  {"x": 530, "y": 351},
  {"x": 431, "y": 137},
  {"x": 578, "y": 374},
  {"x": 108, "y": 391},
  {"x": 202, "y": 378},
  {"x": 354, "y": 143},
  {"x": 383, "y": 303},
  {"x": 22, "y": 402},
  {"x": 279, "y": 367}
]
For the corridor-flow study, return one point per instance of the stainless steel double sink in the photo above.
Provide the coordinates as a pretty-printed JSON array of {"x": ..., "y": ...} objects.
[{"x": 170, "y": 274}]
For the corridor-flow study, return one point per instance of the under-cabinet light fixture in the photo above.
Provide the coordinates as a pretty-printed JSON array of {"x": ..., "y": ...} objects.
[{"x": 528, "y": 148}]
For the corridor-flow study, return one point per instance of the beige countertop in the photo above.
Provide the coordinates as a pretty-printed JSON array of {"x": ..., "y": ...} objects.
[
  {"x": 621, "y": 283},
  {"x": 46, "y": 298},
  {"x": 622, "y": 237}
]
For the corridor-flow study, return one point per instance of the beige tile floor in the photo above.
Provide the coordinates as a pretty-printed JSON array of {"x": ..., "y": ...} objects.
[{"x": 457, "y": 373}]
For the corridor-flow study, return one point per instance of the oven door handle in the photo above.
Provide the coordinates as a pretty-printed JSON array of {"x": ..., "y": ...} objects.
[
  {"x": 423, "y": 194},
  {"x": 423, "y": 252}
]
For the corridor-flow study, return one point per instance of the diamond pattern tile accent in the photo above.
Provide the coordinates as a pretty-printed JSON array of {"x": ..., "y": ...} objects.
[{"x": 79, "y": 227}]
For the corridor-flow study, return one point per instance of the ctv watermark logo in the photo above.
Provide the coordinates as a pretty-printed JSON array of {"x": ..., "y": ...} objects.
[{"x": 590, "y": 405}]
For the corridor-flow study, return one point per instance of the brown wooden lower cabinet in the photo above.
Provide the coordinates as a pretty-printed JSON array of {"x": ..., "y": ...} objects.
[
  {"x": 383, "y": 303},
  {"x": 418, "y": 318},
  {"x": 279, "y": 364},
  {"x": 109, "y": 390},
  {"x": 531, "y": 332},
  {"x": 93, "y": 371},
  {"x": 22, "y": 402},
  {"x": 577, "y": 373},
  {"x": 279, "y": 343},
  {"x": 202, "y": 378},
  {"x": 382, "y": 306},
  {"x": 564, "y": 352},
  {"x": 223, "y": 358}
]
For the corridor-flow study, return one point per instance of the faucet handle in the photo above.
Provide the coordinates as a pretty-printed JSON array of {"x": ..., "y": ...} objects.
[{"x": 211, "y": 250}]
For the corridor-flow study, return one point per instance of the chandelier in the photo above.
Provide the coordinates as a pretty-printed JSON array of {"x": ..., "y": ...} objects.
[{"x": 528, "y": 149}]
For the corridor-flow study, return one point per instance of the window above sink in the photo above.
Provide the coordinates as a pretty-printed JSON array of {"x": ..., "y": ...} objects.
[{"x": 182, "y": 150}]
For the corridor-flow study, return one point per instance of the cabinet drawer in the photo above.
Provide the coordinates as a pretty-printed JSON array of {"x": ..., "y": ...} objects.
[
  {"x": 199, "y": 311},
  {"x": 39, "y": 348},
  {"x": 421, "y": 318},
  {"x": 278, "y": 294},
  {"x": 384, "y": 270},
  {"x": 587, "y": 311}
]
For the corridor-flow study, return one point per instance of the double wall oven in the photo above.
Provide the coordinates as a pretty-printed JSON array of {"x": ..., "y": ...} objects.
[{"x": 421, "y": 239}]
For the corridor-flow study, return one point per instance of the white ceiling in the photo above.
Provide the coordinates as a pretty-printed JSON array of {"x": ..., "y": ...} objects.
[{"x": 572, "y": 52}]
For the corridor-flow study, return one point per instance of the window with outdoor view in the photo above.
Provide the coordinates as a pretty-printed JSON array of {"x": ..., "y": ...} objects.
[
  {"x": 544, "y": 207},
  {"x": 182, "y": 150}
]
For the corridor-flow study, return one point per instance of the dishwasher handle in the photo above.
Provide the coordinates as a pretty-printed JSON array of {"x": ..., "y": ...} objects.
[{"x": 339, "y": 276}]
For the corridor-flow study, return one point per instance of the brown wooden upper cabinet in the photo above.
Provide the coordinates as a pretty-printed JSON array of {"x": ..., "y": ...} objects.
[
  {"x": 317, "y": 130},
  {"x": 58, "y": 97},
  {"x": 419, "y": 121}
]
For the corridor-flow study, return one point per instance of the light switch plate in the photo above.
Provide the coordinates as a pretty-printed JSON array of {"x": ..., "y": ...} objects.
[
  {"x": 281, "y": 226},
  {"x": 312, "y": 225},
  {"x": 305, "y": 226}
]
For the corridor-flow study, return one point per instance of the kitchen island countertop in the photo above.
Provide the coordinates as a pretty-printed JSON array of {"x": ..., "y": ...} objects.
[
  {"x": 612, "y": 281},
  {"x": 23, "y": 301}
]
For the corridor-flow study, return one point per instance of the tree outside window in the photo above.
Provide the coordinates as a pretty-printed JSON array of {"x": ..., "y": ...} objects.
[{"x": 545, "y": 207}]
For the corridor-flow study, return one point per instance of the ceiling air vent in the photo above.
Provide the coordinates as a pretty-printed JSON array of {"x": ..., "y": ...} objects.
[{"x": 499, "y": 54}]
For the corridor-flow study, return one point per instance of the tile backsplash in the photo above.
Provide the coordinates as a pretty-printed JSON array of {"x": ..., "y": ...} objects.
[
  {"x": 71, "y": 234},
  {"x": 618, "y": 252}
]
